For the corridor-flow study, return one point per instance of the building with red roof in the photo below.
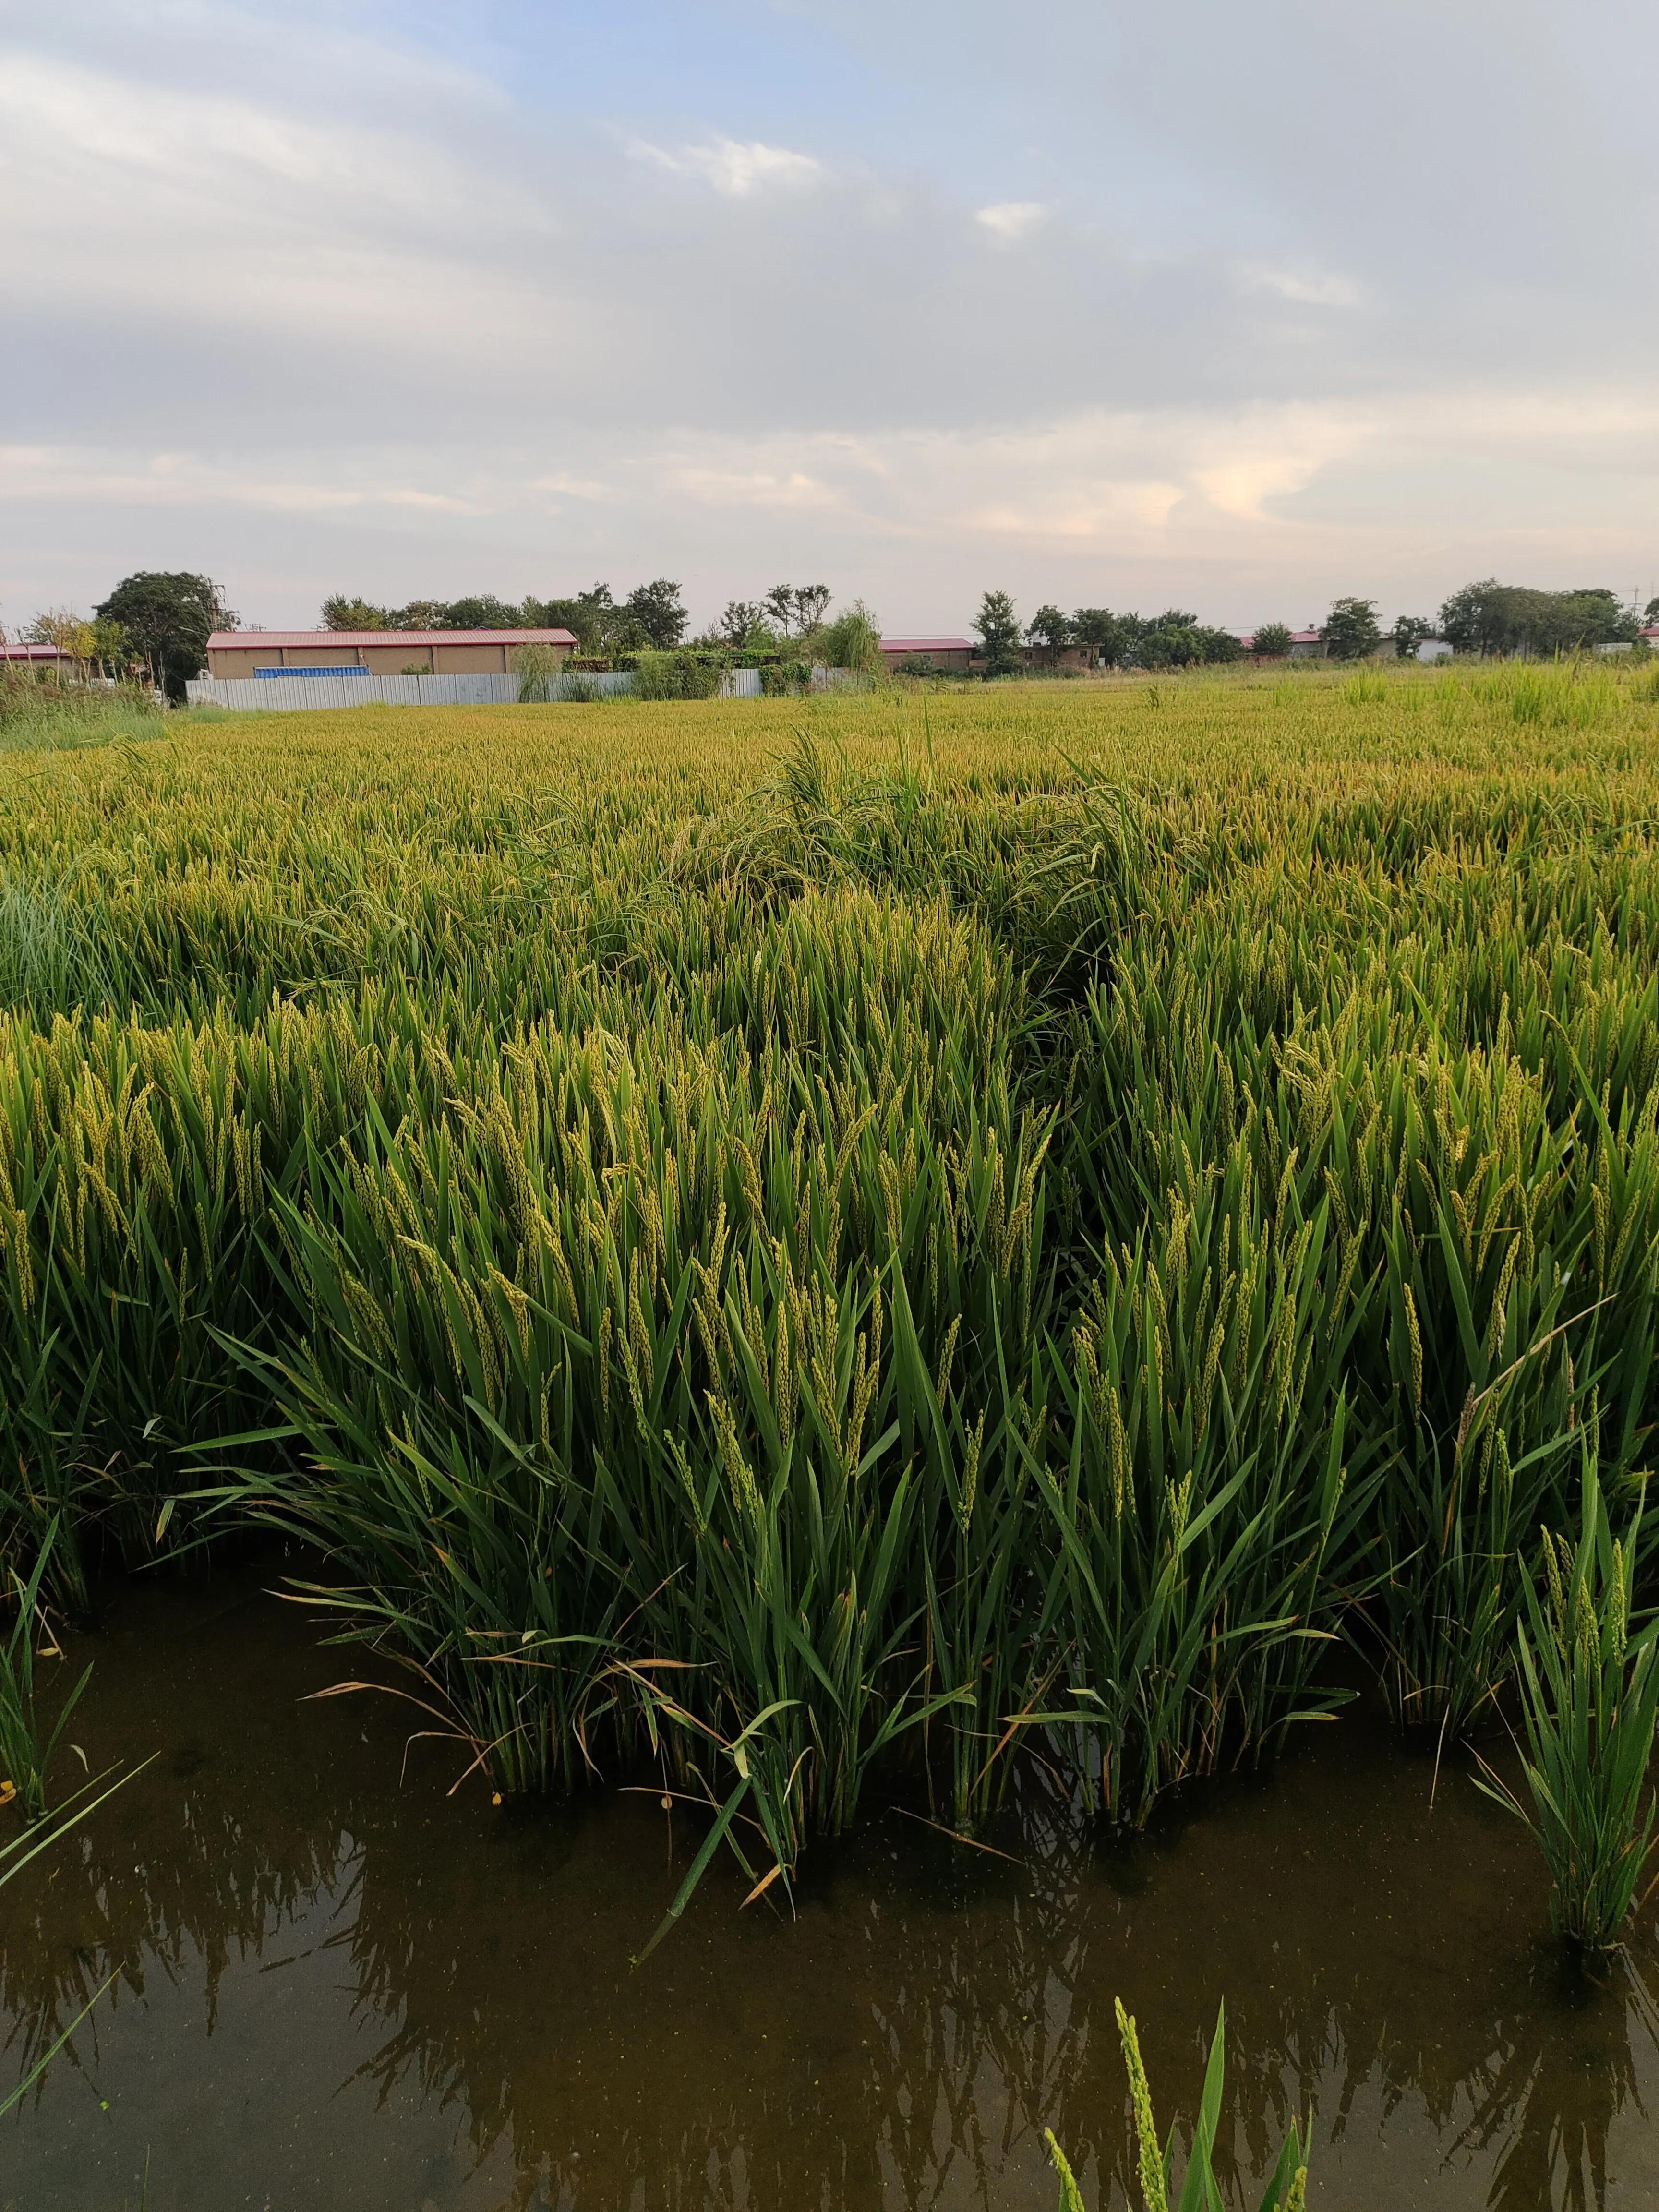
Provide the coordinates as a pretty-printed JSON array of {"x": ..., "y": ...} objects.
[
  {"x": 375, "y": 652},
  {"x": 945, "y": 656}
]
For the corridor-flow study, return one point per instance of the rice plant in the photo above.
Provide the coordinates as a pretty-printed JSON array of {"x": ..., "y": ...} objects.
[
  {"x": 1589, "y": 1691},
  {"x": 1201, "y": 2189},
  {"x": 823, "y": 1250}
]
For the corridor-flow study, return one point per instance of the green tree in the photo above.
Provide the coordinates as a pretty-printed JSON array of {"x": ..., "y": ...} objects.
[
  {"x": 811, "y": 605},
  {"x": 741, "y": 619},
  {"x": 1650, "y": 612},
  {"x": 853, "y": 640},
  {"x": 1351, "y": 631},
  {"x": 654, "y": 610},
  {"x": 1409, "y": 632},
  {"x": 1219, "y": 645},
  {"x": 779, "y": 605},
  {"x": 1599, "y": 616},
  {"x": 1174, "y": 639},
  {"x": 482, "y": 611},
  {"x": 74, "y": 636},
  {"x": 166, "y": 617},
  {"x": 592, "y": 617},
  {"x": 419, "y": 614},
  {"x": 998, "y": 627},
  {"x": 1048, "y": 627},
  {"x": 340, "y": 612},
  {"x": 1272, "y": 641},
  {"x": 111, "y": 650},
  {"x": 1101, "y": 631},
  {"x": 1492, "y": 617},
  {"x": 796, "y": 609}
]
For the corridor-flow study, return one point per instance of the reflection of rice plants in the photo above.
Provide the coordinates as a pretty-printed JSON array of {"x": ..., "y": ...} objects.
[
  {"x": 27, "y": 1744},
  {"x": 1200, "y": 2191},
  {"x": 1590, "y": 1700},
  {"x": 15, "y": 1855}
]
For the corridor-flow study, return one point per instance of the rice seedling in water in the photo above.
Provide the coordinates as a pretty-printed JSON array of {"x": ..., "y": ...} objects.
[{"x": 1588, "y": 1690}]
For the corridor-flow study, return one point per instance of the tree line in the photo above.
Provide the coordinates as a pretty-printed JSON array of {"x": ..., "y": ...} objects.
[
  {"x": 651, "y": 619},
  {"x": 1484, "y": 617},
  {"x": 158, "y": 623},
  {"x": 787, "y": 620}
]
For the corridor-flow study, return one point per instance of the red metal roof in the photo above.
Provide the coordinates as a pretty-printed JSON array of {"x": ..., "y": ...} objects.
[
  {"x": 30, "y": 653},
  {"x": 928, "y": 645},
  {"x": 243, "y": 640}
]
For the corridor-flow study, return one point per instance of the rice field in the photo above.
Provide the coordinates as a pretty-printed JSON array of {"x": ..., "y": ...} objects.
[{"x": 806, "y": 1248}]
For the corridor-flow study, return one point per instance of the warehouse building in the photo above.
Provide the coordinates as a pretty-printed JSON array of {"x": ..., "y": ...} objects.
[
  {"x": 940, "y": 656},
  {"x": 348, "y": 653}
]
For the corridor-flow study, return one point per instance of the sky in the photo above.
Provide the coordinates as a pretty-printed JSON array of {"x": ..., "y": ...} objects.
[{"x": 1234, "y": 305}]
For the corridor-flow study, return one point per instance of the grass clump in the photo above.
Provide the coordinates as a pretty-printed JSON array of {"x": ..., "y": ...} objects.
[{"x": 50, "y": 717}]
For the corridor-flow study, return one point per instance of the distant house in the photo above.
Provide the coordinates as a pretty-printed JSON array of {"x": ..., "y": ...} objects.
[
  {"x": 1060, "y": 656},
  {"x": 1305, "y": 644},
  {"x": 33, "y": 656},
  {"x": 1650, "y": 636},
  {"x": 374, "y": 651},
  {"x": 945, "y": 656}
]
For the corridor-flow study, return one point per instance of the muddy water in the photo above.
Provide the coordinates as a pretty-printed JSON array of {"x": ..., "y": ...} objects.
[{"x": 341, "y": 1989}]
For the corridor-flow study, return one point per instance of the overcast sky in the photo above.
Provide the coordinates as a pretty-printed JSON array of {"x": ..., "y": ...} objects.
[{"x": 1233, "y": 304}]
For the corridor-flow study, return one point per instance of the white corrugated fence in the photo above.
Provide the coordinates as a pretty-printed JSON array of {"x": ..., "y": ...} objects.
[{"x": 288, "y": 695}]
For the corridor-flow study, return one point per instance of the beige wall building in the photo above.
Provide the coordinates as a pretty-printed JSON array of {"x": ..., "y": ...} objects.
[
  {"x": 377, "y": 651},
  {"x": 945, "y": 656}
]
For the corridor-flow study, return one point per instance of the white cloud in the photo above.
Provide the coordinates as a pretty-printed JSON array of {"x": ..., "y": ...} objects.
[
  {"x": 1307, "y": 288},
  {"x": 1012, "y": 220},
  {"x": 735, "y": 168},
  {"x": 78, "y": 476},
  {"x": 426, "y": 332},
  {"x": 94, "y": 131}
]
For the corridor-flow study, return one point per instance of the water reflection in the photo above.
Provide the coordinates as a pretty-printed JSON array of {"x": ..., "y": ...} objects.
[{"x": 333, "y": 1990}]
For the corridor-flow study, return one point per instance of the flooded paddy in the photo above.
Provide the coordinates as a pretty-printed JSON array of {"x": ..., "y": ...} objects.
[{"x": 339, "y": 1986}]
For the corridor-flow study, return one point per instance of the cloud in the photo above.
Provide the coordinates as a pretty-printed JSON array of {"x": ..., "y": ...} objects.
[
  {"x": 1012, "y": 220},
  {"x": 415, "y": 318},
  {"x": 82, "y": 476},
  {"x": 1308, "y": 288},
  {"x": 86, "y": 126},
  {"x": 735, "y": 168}
]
